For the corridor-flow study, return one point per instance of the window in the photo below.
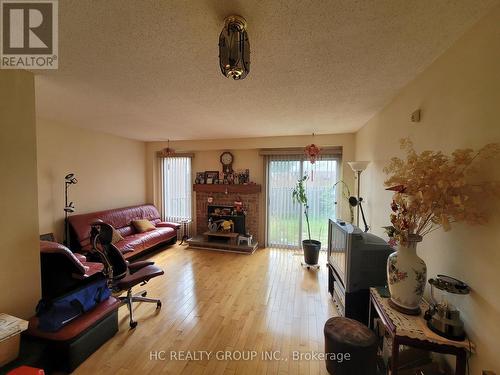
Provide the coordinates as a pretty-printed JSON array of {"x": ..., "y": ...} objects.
[
  {"x": 286, "y": 225},
  {"x": 175, "y": 175}
]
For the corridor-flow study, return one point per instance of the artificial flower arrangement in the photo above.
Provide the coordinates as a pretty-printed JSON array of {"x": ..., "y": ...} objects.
[{"x": 433, "y": 190}]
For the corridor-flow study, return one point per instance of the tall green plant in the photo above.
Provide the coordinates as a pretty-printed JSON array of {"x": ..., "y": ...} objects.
[{"x": 299, "y": 195}]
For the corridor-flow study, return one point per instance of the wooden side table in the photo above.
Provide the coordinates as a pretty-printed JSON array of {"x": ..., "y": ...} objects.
[{"x": 413, "y": 331}]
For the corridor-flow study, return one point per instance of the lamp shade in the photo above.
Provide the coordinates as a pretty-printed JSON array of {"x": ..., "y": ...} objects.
[
  {"x": 70, "y": 179},
  {"x": 358, "y": 166}
]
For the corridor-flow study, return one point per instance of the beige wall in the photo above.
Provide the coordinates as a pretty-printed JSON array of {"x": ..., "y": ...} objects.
[
  {"x": 246, "y": 155},
  {"x": 110, "y": 172},
  {"x": 459, "y": 95},
  {"x": 19, "y": 250}
]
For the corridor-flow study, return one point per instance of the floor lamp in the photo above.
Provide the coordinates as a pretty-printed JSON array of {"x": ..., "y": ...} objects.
[
  {"x": 69, "y": 179},
  {"x": 358, "y": 167}
]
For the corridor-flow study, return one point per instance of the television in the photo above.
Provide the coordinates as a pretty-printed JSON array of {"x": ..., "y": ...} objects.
[{"x": 357, "y": 260}]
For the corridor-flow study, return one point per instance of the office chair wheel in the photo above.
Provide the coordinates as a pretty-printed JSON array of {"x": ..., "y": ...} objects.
[
  {"x": 133, "y": 325},
  {"x": 158, "y": 305},
  {"x": 144, "y": 294}
]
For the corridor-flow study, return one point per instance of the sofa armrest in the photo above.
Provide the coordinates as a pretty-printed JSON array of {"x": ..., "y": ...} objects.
[{"x": 167, "y": 224}]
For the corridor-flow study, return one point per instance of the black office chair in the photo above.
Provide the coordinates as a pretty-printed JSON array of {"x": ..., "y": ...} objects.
[{"x": 122, "y": 275}]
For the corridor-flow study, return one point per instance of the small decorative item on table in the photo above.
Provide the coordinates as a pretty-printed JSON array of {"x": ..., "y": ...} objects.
[{"x": 431, "y": 191}]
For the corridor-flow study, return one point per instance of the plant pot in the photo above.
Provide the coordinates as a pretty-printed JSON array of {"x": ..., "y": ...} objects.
[
  {"x": 406, "y": 277},
  {"x": 311, "y": 251}
]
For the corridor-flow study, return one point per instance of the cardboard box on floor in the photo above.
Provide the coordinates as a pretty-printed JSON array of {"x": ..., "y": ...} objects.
[{"x": 10, "y": 337}]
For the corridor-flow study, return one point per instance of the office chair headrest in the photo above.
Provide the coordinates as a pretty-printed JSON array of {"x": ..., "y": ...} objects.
[
  {"x": 103, "y": 231},
  {"x": 116, "y": 266}
]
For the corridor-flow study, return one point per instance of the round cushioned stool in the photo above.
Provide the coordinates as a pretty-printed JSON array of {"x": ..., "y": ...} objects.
[{"x": 347, "y": 336}]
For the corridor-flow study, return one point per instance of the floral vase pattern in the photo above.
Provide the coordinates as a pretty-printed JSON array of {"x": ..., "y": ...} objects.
[{"x": 407, "y": 275}]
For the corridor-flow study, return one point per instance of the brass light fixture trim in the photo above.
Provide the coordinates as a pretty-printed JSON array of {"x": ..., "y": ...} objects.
[{"x": 234, "y": 48}]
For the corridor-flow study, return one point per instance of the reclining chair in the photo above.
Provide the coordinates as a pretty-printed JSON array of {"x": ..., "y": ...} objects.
[
  {"x": 63, "y": 271},
  {"x": 122, "y": 275}
]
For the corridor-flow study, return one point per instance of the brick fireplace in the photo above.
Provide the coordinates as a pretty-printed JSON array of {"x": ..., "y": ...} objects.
[{"x": 226, "y": 195}]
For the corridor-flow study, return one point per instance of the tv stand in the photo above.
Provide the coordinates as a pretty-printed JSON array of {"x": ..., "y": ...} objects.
[{"x": 354, "y": 305}]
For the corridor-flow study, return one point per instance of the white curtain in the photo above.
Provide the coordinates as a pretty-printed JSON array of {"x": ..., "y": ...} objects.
[
  {"x": 176, "y": 188},
  {"x": 286, "y": 224}
]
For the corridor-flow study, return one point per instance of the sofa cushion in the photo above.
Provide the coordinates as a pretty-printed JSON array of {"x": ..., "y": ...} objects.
[
  {"x": 130, "y": 243},
  {"x": 143, "y": 225},
  {"x": 141, "y": 241},
  {"x": 126, "y": 231},
  {"x": 116, "y": 236}
]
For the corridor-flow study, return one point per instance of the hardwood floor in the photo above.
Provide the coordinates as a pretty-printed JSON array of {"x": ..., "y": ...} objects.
[{"x": 221, "y": 302}]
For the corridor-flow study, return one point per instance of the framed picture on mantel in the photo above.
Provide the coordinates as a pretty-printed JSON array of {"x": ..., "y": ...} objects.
[
  {"x": 211, "y": 177},
  {"x": 200, "y": 178}
]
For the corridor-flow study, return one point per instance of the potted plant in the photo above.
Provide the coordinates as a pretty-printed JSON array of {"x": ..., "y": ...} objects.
[
  {"x": 311, "y": 247},
  {"x": 431, "y": 191}
]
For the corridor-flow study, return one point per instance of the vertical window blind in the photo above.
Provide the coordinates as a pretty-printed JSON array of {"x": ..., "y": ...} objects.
[
  {"x": 286, "y": 224},
  {"x": 175, "y": 195}
]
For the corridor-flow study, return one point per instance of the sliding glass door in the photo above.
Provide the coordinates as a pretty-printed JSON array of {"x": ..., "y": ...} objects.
[
  {"x": 283, "y": 214},
  {"x": 286, "y": 224}
]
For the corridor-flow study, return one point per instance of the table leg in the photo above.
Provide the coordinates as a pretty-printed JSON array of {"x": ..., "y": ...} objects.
[
  {"x": 395, "y": 357},
  {"x": 461, "y": 363}
]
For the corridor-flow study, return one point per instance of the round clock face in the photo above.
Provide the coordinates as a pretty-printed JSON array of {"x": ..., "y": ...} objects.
[{"x": 226, "y": 158}]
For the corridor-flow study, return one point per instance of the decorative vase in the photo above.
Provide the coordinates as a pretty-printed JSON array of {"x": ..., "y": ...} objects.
[{"x": 406, "y": 277}]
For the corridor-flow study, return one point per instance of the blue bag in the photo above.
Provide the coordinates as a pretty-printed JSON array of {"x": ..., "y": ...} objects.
[{"x": 54, "y": 314}]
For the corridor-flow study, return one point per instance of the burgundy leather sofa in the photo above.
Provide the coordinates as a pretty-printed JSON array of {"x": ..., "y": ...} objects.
[{"x": 133, "y": 243}]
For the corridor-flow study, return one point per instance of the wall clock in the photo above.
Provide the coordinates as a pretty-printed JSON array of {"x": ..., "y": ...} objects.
[{"x": 226, "y": 159}]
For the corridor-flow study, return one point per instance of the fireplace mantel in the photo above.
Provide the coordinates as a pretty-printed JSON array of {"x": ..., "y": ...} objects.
[{"x": 234, "y": 188}]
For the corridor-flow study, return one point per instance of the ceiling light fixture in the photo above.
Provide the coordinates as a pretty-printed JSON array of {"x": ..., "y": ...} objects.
[
  {"x": 167, "y": 151},
  {"x": 234, "y": 48}
]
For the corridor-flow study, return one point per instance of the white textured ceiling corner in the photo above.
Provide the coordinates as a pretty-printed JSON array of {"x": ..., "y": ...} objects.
[{"x": 149, "y": 70}]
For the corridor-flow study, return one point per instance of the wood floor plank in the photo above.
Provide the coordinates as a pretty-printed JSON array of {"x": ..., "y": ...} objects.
[{"x": 263, "y": 304}]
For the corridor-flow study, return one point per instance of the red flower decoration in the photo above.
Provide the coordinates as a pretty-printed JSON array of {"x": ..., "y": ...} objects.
[{"x": 312, "y": 152}]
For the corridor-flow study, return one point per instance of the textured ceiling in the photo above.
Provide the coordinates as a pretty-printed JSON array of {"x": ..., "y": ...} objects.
[{"x": 149, "y": 69}]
